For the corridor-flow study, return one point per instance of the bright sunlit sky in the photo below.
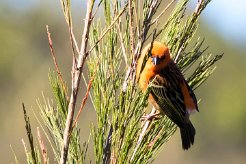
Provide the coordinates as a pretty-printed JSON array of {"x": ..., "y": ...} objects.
[{"x": 226, "y": 17}]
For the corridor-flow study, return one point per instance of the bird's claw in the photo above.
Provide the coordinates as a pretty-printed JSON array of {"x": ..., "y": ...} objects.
[{"x": 150, "y": 117}]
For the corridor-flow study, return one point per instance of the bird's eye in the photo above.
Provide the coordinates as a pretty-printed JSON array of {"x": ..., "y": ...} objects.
[
  {"x": 163, "y": 57},
  {"x": 157, "y": 59}
]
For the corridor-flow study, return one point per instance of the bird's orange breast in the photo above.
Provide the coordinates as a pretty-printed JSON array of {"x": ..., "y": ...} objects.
[{"x": 147, "y": 74}]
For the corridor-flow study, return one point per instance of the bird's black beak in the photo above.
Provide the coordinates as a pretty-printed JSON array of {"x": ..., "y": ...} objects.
[{"x": 155, "y": 60}]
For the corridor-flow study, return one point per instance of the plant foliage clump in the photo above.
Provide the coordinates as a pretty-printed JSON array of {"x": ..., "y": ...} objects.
[{"x": 110, "y": 49}]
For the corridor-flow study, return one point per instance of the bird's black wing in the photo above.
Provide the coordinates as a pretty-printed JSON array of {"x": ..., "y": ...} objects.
[{"x": 167, "y": 93}]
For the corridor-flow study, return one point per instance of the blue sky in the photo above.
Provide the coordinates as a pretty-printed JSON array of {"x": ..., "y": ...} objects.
[{"x": 226, "y": 17}]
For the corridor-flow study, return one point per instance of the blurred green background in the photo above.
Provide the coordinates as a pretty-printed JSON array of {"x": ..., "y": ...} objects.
[{"x": 25, "y": 61}]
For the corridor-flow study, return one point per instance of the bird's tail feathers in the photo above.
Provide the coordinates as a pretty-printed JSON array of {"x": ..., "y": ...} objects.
[{"x": 187, "y": 132}]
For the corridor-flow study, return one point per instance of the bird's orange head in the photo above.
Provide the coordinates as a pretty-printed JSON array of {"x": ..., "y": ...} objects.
[
  {"x": 156, "y": 59},
  {"x": 160, "y": 54}
]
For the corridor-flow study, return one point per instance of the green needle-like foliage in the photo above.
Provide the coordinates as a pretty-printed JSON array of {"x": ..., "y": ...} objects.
[
  {"x": 119, "y": 135},
  {"x": 33, "y": 155}
]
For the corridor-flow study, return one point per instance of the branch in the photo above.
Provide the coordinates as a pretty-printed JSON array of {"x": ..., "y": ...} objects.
[
  {"x": 144, "y": 129},
  {"x": 132, "y": 41},
  {"x": 55, "y": 62},
  {"x": 122, "y": 42},
  {"x": 29, "y": 135},
  {"x": 42, "y": 147},
  {"x": 163, "y": 11},
  {"x": 109, "y": 27},
  {"x": 151, "y": 8},
  {"x": 76, "y": 76},
  {"x": 85, "y": 97}
]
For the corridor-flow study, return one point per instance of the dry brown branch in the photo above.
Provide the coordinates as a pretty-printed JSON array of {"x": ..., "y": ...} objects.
[
  {"x": 144, "y": 129},
  {"x": 131, "y": 26},
  {"x": 85, "y": 98},
  {"x": 55, "y": 62},
  {"x": 73, "y": 42},
  {"x": 42, "y": 147},
  {"x": 76, "y": 76},
  {"x": 137, "y": 16},
  {"x": 198, "y": 7}
]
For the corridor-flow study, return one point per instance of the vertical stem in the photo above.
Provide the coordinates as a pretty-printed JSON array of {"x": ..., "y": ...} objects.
[
  {"x": 76, "y": 76},
  {"x": 131, "y": 26},
  {"x": 144, "y": 129}
]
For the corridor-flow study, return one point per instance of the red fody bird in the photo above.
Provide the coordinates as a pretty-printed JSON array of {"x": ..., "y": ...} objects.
[{"x": 170, "y": 93}]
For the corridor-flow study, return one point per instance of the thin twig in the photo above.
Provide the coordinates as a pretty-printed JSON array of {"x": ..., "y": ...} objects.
[
  {"x": 136, "y": 15},
  {"x": 55, "y": 62},
  {"x": 24, "y": 145},
  {"x": 76, "y": 76},
  {"x": 131, "y": 27},
  {"x": 198, "y": 7},
  {"x": 151, "y": 144},
  {"x": 97, "y": 8},
  {"x": 29, "y": 134},
  {"x": 179, "y": 52},
  {"x": 122, "y": 42},
  {"x": 144, "y": 129},
  {"x": 85, "y": 97},
  {"x": 42, "y": 147},
  {"x": 109, "y": 27},
  {"x": 66, "y": 10},
  {"x": 73, "y": 43},
  {"x": 130, "y": 74},
  {"x": 163, "y": 11},
  {"x": 43, "y": 129},
  {"x": 107, "y": 148},
  {"x": 85, "y": 82}
]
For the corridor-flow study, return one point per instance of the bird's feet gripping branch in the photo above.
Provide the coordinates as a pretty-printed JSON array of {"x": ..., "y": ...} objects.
[{"x": 170, "y": 93}]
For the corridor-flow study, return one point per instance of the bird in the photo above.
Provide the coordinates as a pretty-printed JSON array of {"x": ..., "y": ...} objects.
[{"x": 169, "y": 93}]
